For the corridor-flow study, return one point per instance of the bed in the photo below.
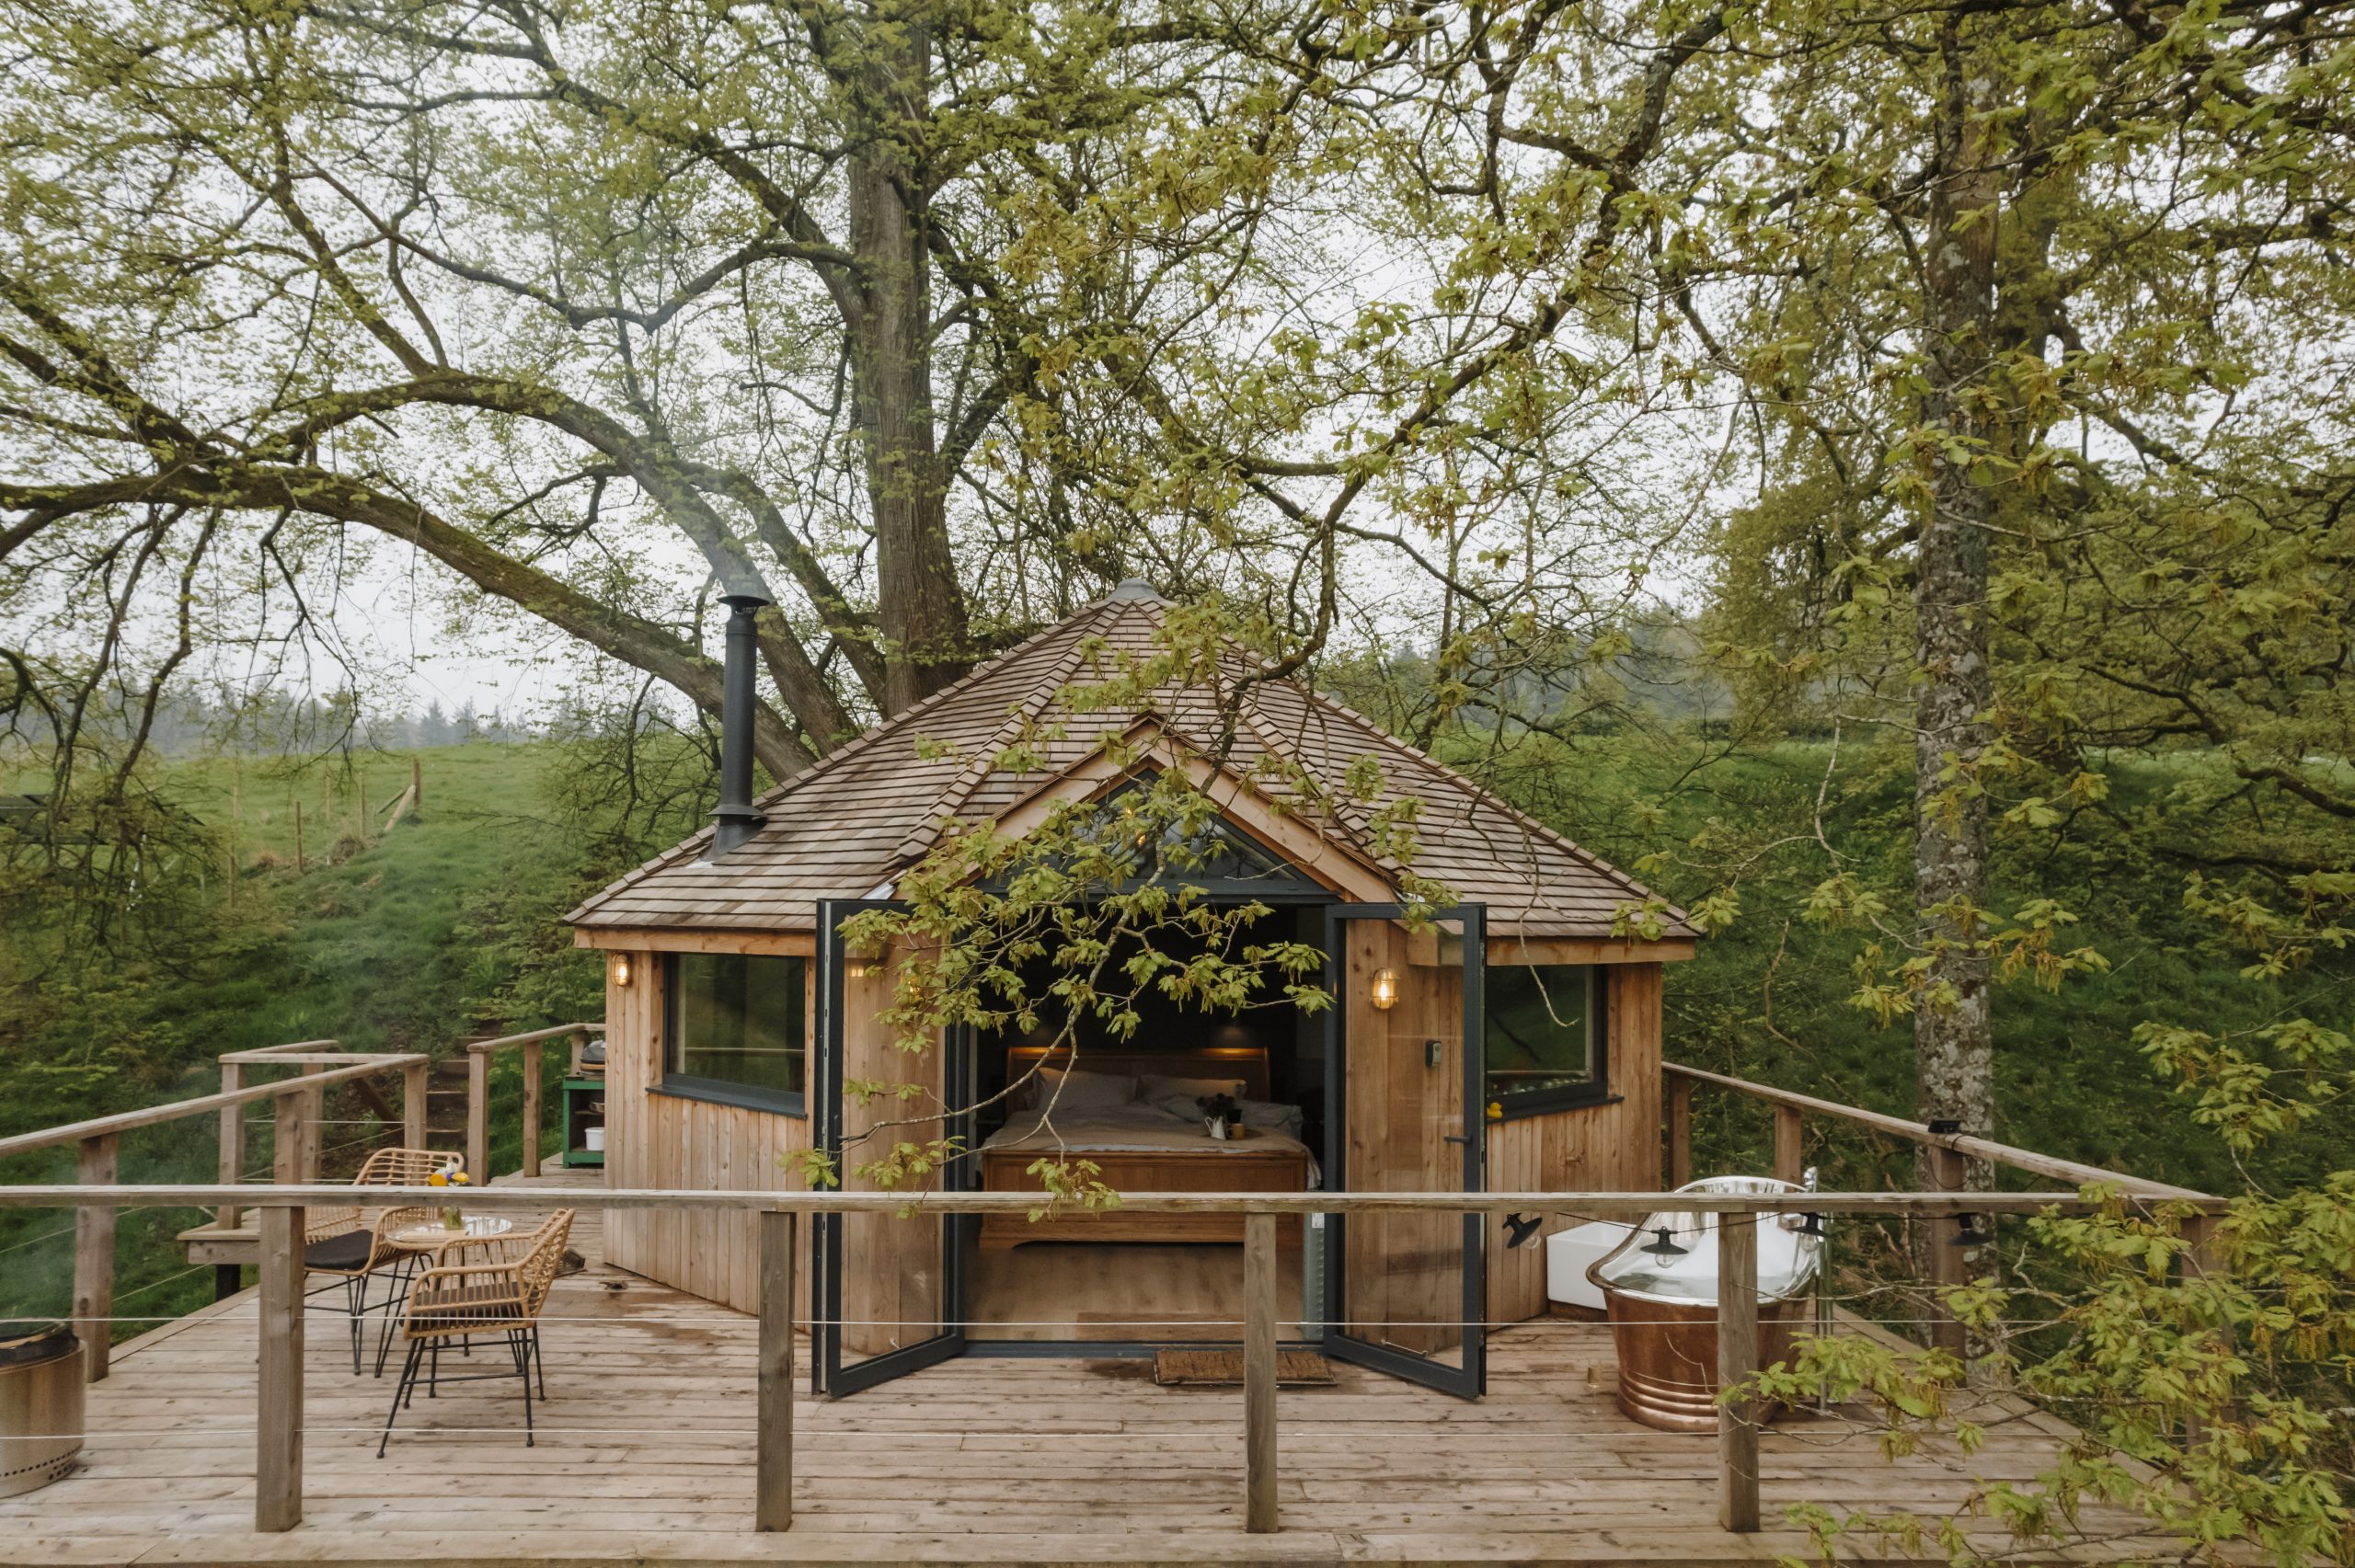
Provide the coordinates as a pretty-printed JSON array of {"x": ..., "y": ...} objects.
[{"x": 1143, "y": 1145}]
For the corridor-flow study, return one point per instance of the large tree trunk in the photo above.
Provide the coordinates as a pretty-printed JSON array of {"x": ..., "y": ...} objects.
[
  {"x": 1952, "y": 1038},
  {"x": 920, "y": 609}
]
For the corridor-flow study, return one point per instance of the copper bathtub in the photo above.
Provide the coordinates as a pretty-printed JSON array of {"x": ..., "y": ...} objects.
[{"x": 1663, "y": 1306}]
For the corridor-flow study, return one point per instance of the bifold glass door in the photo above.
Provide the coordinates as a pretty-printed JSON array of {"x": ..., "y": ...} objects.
[
  {"x": 1405, "y": 1291},
  {"x": 890, "y": 1296}
]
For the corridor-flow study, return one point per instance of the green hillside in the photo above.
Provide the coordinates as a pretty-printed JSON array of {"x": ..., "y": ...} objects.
[{"x": 406, "y": 940}]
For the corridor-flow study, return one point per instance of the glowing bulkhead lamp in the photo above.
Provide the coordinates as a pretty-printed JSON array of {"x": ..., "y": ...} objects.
[
  {"x": 1385, "y": 990},
  {"x": 623, "y": 971}
]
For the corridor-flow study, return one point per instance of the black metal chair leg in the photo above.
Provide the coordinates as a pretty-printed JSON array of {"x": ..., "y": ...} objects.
[
  {"x": 356, "y": 1310},
  {"x": 398, "y": 1294},
  {"x": 541, "y": 1361},
  {"x": 409, "y": 1379},
  {"x": 523, "y": 1366}
]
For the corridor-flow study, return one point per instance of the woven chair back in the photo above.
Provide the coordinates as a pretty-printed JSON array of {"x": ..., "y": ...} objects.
[
  {"x": 547, "y": 1257},
  {"x": 402, "y": 1167}
]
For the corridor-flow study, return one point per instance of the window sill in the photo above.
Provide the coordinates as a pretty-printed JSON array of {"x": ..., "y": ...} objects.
[
  {"x": 1548, "y": 1105},
  {"x": 733, "y": 1095}
]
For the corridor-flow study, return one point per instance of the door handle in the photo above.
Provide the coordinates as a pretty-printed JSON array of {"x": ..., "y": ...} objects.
[{"x": 1456, "y": 1137}]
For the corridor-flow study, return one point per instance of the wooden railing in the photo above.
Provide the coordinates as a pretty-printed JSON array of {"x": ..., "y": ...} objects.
[
  {"x": 277, "y": 1498},
  {"x": 99, "y": 1142},
  {"x": 1949, "y": 1157},
  {"x": 299, "y": 1159},
  {"x": 479, "y": 1055},
  {"x": 298, "y": 1120}
]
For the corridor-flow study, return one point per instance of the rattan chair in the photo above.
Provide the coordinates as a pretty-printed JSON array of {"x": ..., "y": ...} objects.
[
  {"x": 486, "y": 1287},
  {"x": 350, "y": 1243}
]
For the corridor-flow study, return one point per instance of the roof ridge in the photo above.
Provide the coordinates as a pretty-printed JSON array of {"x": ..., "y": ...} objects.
[
  {"x": 1345, "y": 815},
  {"x": 688, "y": 847},
  {"x": 980, "y": 764},
  {"x": 867, "y": 740},
  {"x": 1472, "y": 787}
]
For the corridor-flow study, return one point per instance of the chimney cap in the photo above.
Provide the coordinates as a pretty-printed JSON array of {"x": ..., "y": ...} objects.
[
  {"x": 746, "y": 599},
  {"x": 1138, "y": 588}
]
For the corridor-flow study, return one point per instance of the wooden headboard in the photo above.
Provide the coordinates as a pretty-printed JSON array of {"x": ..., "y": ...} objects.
[{"x": 1248, "y": 1063}]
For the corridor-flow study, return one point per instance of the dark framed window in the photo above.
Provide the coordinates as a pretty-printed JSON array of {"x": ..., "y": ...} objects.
[
  {"x": 737, "y": 1029},
  {"x": 1546, "y": 1036}
]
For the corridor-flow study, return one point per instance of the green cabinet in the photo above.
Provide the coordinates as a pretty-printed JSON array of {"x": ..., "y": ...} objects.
[{"x": 585, "y": 1108}]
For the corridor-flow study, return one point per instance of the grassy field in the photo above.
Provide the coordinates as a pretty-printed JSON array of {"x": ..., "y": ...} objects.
[{"x": 405, "y": 940}]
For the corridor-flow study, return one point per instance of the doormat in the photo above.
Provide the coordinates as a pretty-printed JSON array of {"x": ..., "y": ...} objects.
[{"x": 1294, "y": 1368}]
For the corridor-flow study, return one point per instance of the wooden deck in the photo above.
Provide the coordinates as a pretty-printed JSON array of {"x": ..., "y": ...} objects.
[{"x": 644, "y": 1453}]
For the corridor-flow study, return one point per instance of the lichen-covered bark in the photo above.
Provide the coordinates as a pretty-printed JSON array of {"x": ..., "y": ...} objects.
[{"x": 1952, "y": 1038}]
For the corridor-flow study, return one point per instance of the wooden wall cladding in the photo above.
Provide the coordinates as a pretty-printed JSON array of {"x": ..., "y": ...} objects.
[
  {"x": 660, "y": 1140},
  {"x": 1613, "y": 1147},
  {"x": 655, "y": 1140}
]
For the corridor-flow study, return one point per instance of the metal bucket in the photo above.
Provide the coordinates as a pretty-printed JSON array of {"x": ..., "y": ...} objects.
[{"x": 41, "y": 1405}]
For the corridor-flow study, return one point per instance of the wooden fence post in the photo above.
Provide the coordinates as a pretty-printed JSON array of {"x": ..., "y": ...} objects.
[
  {"x": 1679, "y": 1130},
  {"x": 531, "y": 1109},
  {"x": 278, "y": 1436},
  {"x": 286, "y": 1137},
  {"x": 1787, "y": 1154},
  {"x": 1736, "y": 1359},
  {"x": 315, "y": 1123},
  {"x": 479, "y": 1117},
  {"x": 1945, "y": 1262},
  {"x": 1259, "y": 1373},
  {"x": 773, "y": 1425},
  {"x": 94, "y": 1258},
  {"x": 233, "y": 1142},
  {"x": 414, "y": 1090}
]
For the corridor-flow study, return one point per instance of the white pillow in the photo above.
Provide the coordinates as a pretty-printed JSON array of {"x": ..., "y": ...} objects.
[
  {"x": 1079, "y": 1090},
  {"x": 1156, "y": 1089},
  {"x": 1273, "y": 1118}
]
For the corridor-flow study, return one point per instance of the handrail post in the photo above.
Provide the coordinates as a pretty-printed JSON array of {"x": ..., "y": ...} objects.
[
  {"x": 286, "y": 1158},
  {"x": 1680, "y": 1130},
  {"x": 315, "y": 1116},
  {"x": 773, "y": 1423},
  {"x": 1737, "y": 1360},
  {"x": 414, "y": 1103},
  {"x": 1259, "y": 1373},
  {"x": 479, "y": 1117},
  {"x": 233, "y": 1142},
  {"x": 1787, "y": 1148},
  {"x": 531, "y": 1109},
  {"x": 94, "y": 1258},
  {"x": 278, "y": 1431},
  {"x": 1946, "y": 1262}
]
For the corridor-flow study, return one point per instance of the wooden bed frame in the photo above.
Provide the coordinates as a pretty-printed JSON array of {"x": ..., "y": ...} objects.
[{"x": 1237, "y": 1169}]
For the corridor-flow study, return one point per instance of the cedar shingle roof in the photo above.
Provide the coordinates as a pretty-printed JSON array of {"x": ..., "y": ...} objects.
[{"x": 846, "y": 825}]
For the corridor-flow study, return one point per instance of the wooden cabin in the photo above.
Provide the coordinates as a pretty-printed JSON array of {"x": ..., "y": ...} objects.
[{"x": 1511, "y": 1044}]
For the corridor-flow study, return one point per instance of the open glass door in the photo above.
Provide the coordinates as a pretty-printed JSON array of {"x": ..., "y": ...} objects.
[
  {"x": 889, "y": 1296},
  {"x": 1405, "y": 1292}
]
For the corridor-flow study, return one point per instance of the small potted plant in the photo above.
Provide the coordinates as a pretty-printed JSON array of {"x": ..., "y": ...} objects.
[
  {"x": 449, "y": 1176},
  {"x": 1221, "y": 1118}
]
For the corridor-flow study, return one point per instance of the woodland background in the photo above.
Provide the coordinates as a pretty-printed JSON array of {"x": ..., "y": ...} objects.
[{"x": 1877, "y": 469}]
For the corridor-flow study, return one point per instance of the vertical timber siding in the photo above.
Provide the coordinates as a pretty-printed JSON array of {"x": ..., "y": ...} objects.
[
  {"x": 658, "y": 1140},
  {"x": 1605, "y": 1147}
]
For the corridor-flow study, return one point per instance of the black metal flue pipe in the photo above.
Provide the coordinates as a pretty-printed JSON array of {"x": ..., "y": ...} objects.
[{"x": 736, "y": 818}]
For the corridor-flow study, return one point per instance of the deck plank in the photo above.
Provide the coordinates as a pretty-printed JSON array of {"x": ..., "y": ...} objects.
[{"x": 644, "y": 1453}]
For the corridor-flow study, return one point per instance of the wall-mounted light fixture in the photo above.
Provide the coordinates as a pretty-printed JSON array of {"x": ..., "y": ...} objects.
[
  {"x": 621, "y": 970},
  {"x": 1385, "y": 990}
]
